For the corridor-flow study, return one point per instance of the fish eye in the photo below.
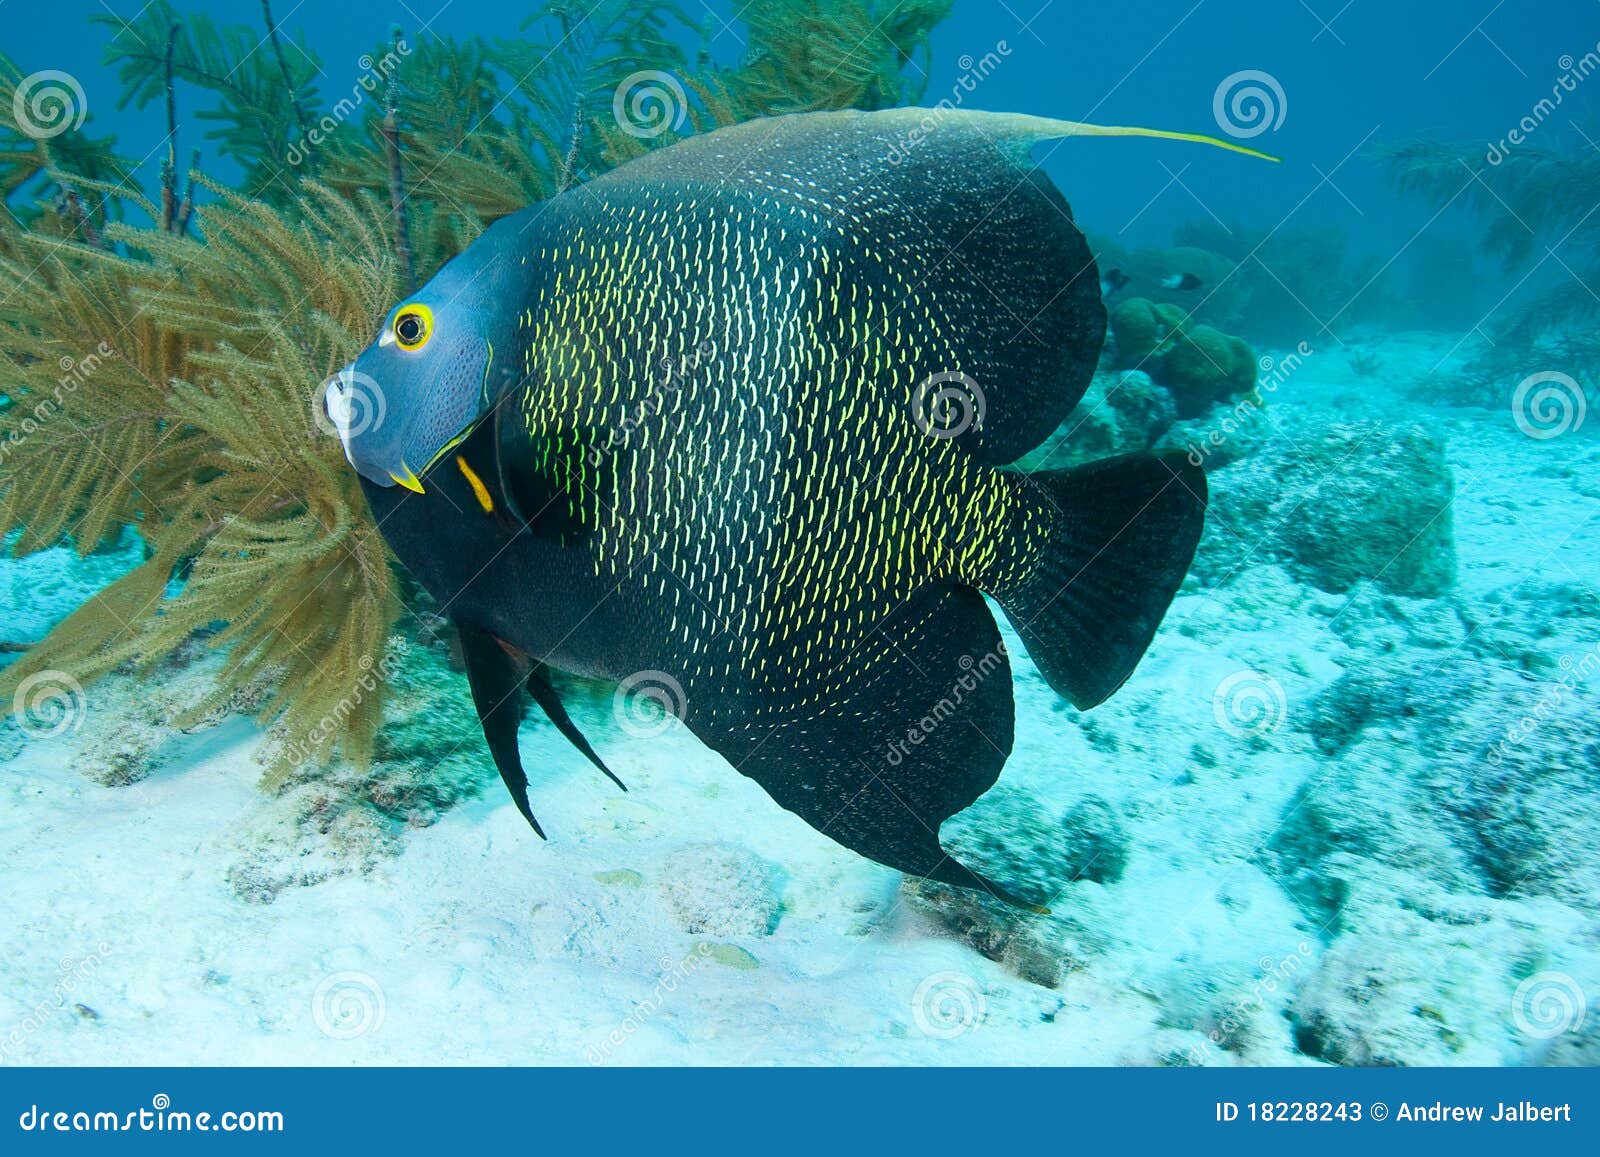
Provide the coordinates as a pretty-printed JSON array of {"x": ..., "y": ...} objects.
[{"x": 412, "y": 327}]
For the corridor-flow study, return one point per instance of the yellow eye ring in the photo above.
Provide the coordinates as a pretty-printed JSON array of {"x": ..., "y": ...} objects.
[{"x": 413, "y": 326}]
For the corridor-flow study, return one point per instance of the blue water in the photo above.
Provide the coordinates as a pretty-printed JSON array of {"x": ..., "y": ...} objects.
[{"x": 1373, "y": 72}]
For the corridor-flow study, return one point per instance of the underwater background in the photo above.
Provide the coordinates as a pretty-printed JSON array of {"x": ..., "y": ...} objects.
[{"x": 1345, "y": 811}]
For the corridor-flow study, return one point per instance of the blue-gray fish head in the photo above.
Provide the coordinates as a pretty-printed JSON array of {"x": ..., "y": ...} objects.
[{"x": 421, "y": 386}]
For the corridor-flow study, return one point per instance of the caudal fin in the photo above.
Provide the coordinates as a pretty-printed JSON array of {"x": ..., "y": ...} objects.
[{"x": 1121, "y": 534}]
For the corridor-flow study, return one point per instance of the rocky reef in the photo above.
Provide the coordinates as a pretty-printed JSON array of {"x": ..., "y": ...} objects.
[
  {"x": 1120, "y": 413},
  {"x": 1199, "y": 365},
  {"x": 1339, "y": 504},
  {"x": 1342, "y": 814}
]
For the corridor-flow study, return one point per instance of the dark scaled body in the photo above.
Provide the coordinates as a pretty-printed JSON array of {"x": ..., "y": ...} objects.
[{"x": 741, "y": 425}]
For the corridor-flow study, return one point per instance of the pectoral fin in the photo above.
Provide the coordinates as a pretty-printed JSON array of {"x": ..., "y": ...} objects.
[{"x": 550, "y": 480}]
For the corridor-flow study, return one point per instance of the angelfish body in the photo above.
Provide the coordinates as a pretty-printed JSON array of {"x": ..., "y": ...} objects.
[{"x": 729, "y": 421}]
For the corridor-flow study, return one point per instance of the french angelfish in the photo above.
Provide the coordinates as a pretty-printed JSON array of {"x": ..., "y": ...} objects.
[{"x": 733, "y": 416}]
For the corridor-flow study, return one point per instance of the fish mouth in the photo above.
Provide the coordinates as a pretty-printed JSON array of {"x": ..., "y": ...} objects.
[
  {"x": 355, "y": 418},
  {"x": 407, "y": 477}
]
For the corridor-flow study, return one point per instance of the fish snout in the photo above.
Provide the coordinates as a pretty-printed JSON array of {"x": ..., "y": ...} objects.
[{"x": 354, "y": 407}]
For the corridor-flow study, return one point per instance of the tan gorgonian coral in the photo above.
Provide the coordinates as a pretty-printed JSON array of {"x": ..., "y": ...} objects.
[{"x": 189, "y": 413}]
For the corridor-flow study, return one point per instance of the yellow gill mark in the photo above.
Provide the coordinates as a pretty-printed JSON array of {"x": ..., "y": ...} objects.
[
  {"x": 408, "y": 479},
  {"x": 479, "y": 490}
]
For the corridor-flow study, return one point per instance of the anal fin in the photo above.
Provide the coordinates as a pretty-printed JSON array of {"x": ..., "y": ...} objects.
[{"x": 916, "y": 734}]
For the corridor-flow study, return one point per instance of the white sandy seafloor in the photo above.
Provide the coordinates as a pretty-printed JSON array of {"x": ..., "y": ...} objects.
[{"x": 1320, "y": 860}]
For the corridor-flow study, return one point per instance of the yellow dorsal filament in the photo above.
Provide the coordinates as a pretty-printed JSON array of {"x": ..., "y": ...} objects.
[{"x": 1031, "y": 128}]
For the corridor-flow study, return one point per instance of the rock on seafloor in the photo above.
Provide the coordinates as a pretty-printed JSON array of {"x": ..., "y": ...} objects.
[
  {"x": 721, "y": 890},
  {"x": 1339, "y": 504},
  {"x": 1121, "y": 412}
]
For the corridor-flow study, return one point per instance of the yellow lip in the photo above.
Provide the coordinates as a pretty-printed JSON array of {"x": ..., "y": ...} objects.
[{"x": 408, "y": 479}]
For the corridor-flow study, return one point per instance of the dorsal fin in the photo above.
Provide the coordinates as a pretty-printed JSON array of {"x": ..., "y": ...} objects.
[{"x": 942, "y": 220}]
